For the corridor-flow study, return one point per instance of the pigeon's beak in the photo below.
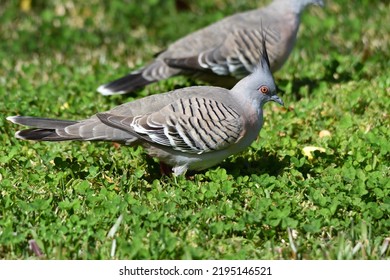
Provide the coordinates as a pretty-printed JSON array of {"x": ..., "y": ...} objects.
[{"x": 277, "y": 99}]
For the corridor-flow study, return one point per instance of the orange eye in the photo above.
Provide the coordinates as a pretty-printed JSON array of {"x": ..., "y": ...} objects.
[{"x": 264, "y": 89}]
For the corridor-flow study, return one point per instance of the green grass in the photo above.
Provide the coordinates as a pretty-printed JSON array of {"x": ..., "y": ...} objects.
[{"x": 270, "y": 202}]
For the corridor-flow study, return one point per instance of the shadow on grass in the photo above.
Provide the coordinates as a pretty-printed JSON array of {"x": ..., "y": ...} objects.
[
  {"x": 71, "y": 166},
  {"x": 267, "y": 163},
  {"x": 264, "y": 163}
]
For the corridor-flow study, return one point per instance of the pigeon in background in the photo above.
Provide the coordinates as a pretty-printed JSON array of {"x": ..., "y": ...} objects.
[
  {"x": 192, "y": 128},
  {"x": 225, "y": 51}
]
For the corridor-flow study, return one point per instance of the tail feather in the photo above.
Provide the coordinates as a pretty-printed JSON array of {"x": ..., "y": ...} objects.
[
  {"x": 125, "y": 84},
  {"x": 45, "y": 129},
  {"x": 92, "y": 129},
  {"x": 41, "y": 134},
  {"x": 40, "y": 122}
]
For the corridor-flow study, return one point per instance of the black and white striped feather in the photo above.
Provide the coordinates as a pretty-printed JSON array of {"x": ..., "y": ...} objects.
[
  {"x": 237, "y": 56},
  {"x": 189, "y": 125}
]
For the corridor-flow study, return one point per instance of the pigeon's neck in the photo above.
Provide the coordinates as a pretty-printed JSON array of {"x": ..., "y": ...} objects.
[{"x": 295, "y": 6}]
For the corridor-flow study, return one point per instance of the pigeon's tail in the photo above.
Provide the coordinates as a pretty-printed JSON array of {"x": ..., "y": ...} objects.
[
  {"x": 125, "y": 84},
  {"x": 43, "y": 129}
]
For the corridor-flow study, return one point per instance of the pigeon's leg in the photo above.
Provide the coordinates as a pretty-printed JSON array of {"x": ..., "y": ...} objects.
[{"x": 165, "y": 169}]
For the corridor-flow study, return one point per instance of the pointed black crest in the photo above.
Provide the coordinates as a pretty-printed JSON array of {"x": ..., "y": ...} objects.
[{"x": 264, "y": 54}]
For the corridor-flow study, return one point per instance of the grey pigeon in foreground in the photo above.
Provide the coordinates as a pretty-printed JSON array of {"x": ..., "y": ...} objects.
[
  {"x": 189, "y": 129},
  {"x": 225, "y": 51}
]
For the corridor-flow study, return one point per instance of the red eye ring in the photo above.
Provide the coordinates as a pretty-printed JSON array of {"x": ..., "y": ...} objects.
[{"x": 264, "y": 89}]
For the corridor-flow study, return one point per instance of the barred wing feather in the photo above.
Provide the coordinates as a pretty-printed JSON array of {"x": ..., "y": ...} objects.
[
  {"x": 237, "y": 55},
  {"x": 193, "y": 125}
]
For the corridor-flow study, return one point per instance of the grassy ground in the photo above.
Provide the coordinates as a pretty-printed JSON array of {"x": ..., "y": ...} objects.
[{"x": 270, "y": 202}]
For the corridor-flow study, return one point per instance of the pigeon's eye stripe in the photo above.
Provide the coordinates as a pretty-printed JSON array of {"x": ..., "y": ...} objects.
[{"x": 264, "y": 89}]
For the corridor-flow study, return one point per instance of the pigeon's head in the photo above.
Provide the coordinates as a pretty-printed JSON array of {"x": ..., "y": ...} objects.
[{"x": 259, "y": 86}]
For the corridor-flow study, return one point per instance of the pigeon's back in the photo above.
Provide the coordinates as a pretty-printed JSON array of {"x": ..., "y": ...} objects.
[{"x": 215, "y": 34}]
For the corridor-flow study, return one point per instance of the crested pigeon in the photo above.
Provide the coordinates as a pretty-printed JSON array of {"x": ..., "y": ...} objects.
[
  {"x": 191, "y": 128},
  {"x": 225, "y": 51}
]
